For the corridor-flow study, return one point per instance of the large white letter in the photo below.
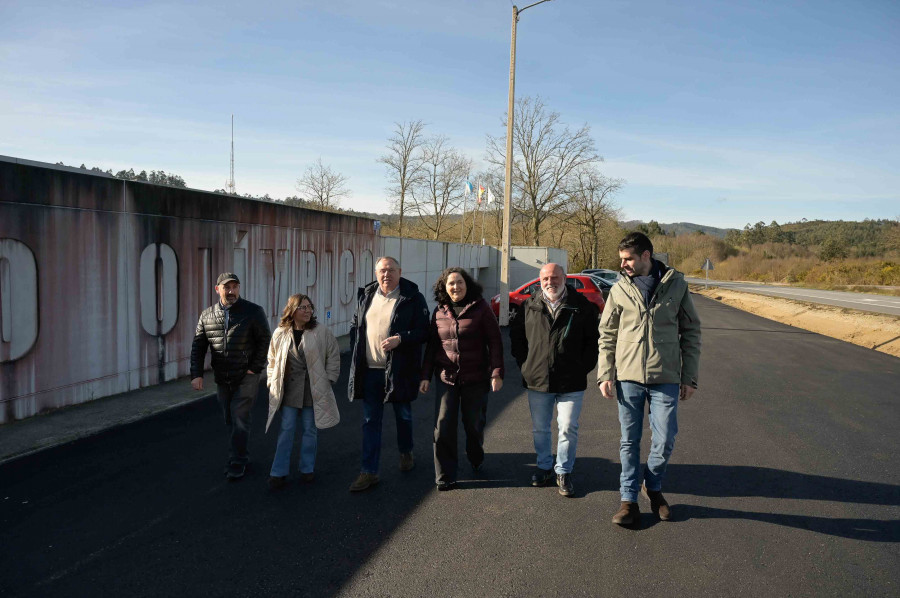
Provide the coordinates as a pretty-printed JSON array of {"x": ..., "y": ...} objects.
[
  {"x": 18, "y": 300},
  {"x": 158, "y": 289},
  {"x": 346, "y": 276}
]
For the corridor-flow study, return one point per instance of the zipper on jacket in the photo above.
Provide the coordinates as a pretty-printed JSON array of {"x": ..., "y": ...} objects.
[
  {"x": 646, "y": 343},
  {"x": 645, "y": 317},
  {"x": 225, "y": 318}
]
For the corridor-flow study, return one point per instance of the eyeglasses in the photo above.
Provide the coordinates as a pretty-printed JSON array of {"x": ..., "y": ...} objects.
[
  {"x": 305, "y": 308},
  {"x": 385, "y": 270}
]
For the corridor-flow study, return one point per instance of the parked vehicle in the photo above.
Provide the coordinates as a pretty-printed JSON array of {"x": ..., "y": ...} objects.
[
  {"x": 603, "y": 284},
  {"x": 582, "y": 283},
  {"x": 610, "y": 275}
]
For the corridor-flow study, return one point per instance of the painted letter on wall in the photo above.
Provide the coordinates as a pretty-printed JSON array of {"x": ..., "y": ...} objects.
[
  {"x": 159, "y": 289},
  {"x": 346, "y": 277},
  {"x": 18, "y": 300},
  {"x": 366, "y": 269},
  {"x": 310, "y": 272}
]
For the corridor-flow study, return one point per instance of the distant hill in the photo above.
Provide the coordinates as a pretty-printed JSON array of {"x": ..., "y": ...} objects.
[
  {"x": 680, "y": 228},
  {"x": 834, "y": 238}
]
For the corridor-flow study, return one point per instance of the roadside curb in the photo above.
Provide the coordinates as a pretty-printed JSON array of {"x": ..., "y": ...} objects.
[
  {"x": 39, "y": 433},
  {"x": 32, "y": 435}
]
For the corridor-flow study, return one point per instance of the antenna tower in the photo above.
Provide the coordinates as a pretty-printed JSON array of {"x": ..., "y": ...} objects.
[{"x": 229, "y": 186}]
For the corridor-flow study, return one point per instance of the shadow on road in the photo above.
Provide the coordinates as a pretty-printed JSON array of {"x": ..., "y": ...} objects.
[
  {"x": 743, "y": 481},
  {"x": 737, "y": 481},
  {"x": 872, "y": 530},
  {"x": 514, "y": 470}
]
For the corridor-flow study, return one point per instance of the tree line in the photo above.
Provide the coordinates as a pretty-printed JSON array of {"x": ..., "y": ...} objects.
[
  {"x": 833, "y": 239},
  {"x": 157, "y": 177}
]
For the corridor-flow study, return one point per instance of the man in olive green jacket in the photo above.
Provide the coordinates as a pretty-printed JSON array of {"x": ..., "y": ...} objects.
[{"x": 649, "y": 352}]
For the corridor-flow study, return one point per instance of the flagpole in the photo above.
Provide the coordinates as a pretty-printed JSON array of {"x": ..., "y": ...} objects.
[
  {"x": 482, "y": 216},
  {"x": 462, "y": 225},
  {"x": 475, "y": 215},
  {"x": 507, "y": 189}
]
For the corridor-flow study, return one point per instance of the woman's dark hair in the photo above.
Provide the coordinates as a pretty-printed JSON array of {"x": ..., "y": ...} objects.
[
  {"x": 473, "y": 289},
  {"x": 293, "y": 302}
]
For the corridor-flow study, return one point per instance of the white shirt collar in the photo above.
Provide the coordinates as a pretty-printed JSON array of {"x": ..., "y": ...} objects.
[{"x": 391, "y": 295}]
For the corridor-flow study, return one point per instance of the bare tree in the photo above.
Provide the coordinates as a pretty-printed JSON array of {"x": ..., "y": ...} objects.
[
  {"x": 403, "y": 161},
  {"x": 590, "y": 195},
  {"x": 545, "y": 154},
  {"x": 438, "y": 190},
  {"x": 323, "y": 187}
]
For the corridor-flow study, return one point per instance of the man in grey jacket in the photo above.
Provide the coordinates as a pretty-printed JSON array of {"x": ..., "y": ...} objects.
[{"x": 649, "y": 353}]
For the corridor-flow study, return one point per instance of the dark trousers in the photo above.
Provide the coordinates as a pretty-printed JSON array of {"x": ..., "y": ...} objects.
[
  {"x": 236, "y": 401},
  {"x": 373, "y": 413},
  {"x": 471, "y": 399}
]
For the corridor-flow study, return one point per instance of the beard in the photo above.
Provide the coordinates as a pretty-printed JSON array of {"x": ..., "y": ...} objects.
[{"x": 553, "y": 294}]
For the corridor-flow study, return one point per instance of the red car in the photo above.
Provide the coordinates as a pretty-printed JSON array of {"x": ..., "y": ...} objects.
[{"x": 581, "y": 283}]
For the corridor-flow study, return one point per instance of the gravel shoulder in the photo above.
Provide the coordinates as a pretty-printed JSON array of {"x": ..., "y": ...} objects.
[{"x": 873, "y": 331}]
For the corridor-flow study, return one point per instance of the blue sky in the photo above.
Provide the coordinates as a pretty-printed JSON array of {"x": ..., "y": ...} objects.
[{"x": 719, "y": 113}]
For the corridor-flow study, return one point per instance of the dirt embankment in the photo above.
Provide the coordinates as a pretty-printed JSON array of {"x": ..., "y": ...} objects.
[{"x": 873, "y": 331}]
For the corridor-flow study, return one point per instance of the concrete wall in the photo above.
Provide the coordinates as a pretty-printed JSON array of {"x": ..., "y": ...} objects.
[
  {"x": 102, "y": 280},
  {"x": 422, "y": 261}
]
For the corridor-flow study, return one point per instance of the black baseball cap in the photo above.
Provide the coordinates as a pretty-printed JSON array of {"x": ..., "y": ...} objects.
[{"x": 225, "y": 277}]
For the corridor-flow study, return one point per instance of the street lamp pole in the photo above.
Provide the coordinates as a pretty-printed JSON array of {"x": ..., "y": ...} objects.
[{"x": 507, "y": 189}]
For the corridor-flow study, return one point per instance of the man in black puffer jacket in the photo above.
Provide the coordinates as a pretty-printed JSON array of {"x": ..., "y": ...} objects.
[{"x": 238, "y": 334}]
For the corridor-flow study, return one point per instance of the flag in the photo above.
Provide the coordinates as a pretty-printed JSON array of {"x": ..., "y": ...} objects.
[
  {"x": 480, "y": 193},
  {"x": 468, "y": 188},
  {"x": 490, "y": 196}
]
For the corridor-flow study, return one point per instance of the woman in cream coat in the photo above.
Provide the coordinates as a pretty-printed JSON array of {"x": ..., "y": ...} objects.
[{"x": 304, "y": 361}]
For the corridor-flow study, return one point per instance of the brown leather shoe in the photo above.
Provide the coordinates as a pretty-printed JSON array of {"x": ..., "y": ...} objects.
[
  {"x": 307, "y": 478},
  {"x": 407, "y": 461},
  {"x": 277, "y": 482},
  {"x": 564, "y": 481},
  {"x": 658, "y": 503},
  {"x": 629, "y": 514},
  {"x": 364, "y": 482}
]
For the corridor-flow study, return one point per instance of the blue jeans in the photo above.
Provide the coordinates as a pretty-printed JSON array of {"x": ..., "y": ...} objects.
[
  {"x": 663, "y": 399},
  {"x": 373, "y": 412},
  {"x": 309, "y": 441},
  {"x": 568, "y": 407}
]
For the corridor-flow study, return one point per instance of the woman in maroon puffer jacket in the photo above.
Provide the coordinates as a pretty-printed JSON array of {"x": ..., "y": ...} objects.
[{"x": 465, "y": 353}]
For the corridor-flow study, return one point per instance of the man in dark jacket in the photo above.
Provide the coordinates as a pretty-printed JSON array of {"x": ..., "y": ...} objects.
[
  {"x": 386, "y": 336},
  {"x": 237, "y": 333},
  {"x": 554, "y": 340}
]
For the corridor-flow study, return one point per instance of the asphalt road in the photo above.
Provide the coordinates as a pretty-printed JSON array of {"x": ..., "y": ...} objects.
[
  {"x": 784, "y": 481},
  {"x": 881, "y": 304}
]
